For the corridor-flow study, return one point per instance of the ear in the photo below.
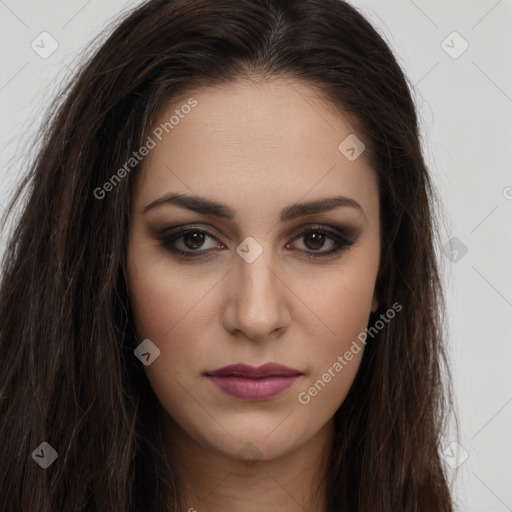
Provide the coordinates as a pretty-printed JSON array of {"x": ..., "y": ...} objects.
[
  {"x": 376, "y": 292},
  {"x": 375, "y": 303}
]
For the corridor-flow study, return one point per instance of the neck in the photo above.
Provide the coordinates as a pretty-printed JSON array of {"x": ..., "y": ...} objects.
[{"x": 215, "y": 481}]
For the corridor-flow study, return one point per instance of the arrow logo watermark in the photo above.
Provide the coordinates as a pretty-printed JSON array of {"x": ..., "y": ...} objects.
[
  {"x": 454, "y": 45},
  {"x": 147, "y": 352},
  {"x": 44, "y": 45},
  {"x": 249, "y": 249},
  {"x": 454, "y": 249},
  {"x": 352, "y": 147},
  {"x": 44, "y": 455}
]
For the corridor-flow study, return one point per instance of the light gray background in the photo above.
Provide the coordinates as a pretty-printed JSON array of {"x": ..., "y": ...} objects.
[{"x": 466, "y": 108}]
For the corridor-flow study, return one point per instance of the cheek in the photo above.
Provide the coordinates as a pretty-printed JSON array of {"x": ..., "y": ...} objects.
[
  {"x": 164, "y": 309},
  {"x": 343, "y": 309},
  {"x": 342, "y": 306},
  {"x": 172, "y": 307},
  {"x": 160, "y": 294},
  {"x": 158, "y": 303},
  {"x": 337, "y": 356}
]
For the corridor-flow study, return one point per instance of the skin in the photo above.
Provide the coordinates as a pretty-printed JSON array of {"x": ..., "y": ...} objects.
[{"x": 258, "y": 147}]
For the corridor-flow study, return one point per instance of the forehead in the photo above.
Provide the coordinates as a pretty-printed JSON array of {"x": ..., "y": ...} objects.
[
  {"x": 277, "y": 139},
  {"x": 278, "y": 116}
]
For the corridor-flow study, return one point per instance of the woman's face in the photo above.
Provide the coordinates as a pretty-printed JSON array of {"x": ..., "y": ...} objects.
[{"x": 255, "y": 280}]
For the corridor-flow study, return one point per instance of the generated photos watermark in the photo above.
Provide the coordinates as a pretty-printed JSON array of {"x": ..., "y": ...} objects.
[
  {"x": 137, "y": 156},
  {"x": 305, "y": 397}
]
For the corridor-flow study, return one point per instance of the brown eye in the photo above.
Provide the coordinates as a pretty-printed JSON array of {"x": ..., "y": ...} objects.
[
  {"x": 194, "y": 239},
  {"x": 189, "y": 242},
  {"x": 314, "y": 240}
]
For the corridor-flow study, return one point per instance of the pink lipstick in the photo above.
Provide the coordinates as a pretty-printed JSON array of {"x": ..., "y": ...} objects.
[{"x": 254, "y": 383}]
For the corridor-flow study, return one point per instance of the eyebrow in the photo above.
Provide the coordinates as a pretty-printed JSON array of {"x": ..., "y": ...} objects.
[{"x": 206, "y": 206}]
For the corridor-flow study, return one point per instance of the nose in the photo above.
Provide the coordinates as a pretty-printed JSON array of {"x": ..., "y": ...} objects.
[{"x": 257, "y": 306}]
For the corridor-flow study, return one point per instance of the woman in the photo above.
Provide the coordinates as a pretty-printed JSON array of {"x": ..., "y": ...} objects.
[{"x": 222, "y": 293}]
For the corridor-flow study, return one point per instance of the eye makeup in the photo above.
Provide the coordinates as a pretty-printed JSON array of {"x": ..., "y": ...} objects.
[{"x": 316, "y": 235}]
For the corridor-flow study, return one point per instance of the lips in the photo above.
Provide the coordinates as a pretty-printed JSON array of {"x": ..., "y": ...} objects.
[
  {"x": 254, "y": 372},
  {"x": 254, "y": 383}
]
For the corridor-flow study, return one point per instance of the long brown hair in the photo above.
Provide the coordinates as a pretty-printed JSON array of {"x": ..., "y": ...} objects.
[{"x": 68, "y": 375}]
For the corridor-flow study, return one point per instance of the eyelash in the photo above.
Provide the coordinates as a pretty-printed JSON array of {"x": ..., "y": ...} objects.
[{"x": 343, "y": 242}]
